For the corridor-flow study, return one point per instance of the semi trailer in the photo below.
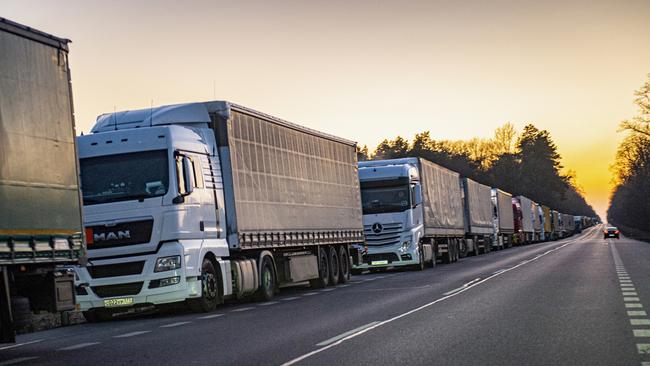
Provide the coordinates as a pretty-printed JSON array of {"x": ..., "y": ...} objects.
[
  {"x": 412, "y": 214},
  {"x": 556, "y": 224},
  {"x": 479, "y": 229},
  {"x": 502, "y": 219},
  {"x": 538, "y": 223},
  {"x": 201, "y": 202},
  {"x": 524, "y": 219},
  {"x": 548, "y": 223},
  {"x": 40, "y": 206}
]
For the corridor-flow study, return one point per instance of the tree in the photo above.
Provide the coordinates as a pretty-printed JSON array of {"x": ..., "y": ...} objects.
[
  {"x": 504, "y": 139},
  {"x": 397, "y": 148},
  {"x": 362, "y": 153},
  {"x": 641, "y": 122}
]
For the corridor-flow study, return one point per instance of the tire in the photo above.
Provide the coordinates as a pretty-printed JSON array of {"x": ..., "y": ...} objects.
[
  {"x": 268, "y": 280},
  {"x": 344, "y": 265},
  {"x": 335, "y": 266},
  {"x": 97, "y": 315},
  {"x": 323, "y": 271},
  {"x": 210, "y": 289},
  {"x": 419, "y": 266}
]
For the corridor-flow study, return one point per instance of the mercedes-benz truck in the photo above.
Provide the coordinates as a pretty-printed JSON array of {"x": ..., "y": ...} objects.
[
  {"x": 200, "y": 202},
  {"x": 40, "y": 205},
  {"x": 412, "y": 214}
]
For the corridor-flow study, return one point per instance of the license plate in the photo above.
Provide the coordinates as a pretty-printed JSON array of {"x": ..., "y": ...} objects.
[
  {"x": 123, "y": 301},
  {"x": 379, "y": 263}
]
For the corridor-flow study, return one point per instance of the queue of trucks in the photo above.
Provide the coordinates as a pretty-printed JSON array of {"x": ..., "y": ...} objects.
[{"x": 198, "y": 203}]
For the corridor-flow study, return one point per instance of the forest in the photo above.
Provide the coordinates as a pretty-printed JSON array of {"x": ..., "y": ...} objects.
[
  {"x": 630, "y": 201},
  {"x": 525, "y": 163}
]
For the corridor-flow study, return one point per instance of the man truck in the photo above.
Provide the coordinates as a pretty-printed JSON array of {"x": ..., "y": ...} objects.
[
  {"x": 503, "y": 219},
  {"x": 40, "y": 209},
  {"x": 479, "y": 230},
  {"x": 412, "y": 214},
  {"x": 200, "y": 202}
]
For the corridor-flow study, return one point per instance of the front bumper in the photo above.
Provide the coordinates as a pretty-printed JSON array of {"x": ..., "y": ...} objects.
[
  {"x": 123, "y": 291},
  {"x": 382, "y": 257}
]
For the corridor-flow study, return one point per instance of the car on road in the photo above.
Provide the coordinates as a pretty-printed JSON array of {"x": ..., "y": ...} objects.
[{"x": 611, "y": 232}]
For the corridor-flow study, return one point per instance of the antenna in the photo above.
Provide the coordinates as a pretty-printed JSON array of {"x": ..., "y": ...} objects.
[{"x": 151, "y": 114}]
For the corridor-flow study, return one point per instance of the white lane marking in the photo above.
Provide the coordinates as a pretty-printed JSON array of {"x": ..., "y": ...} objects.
[
  {"x": 639, "y": 321},
  {"x": 462, "y": 287},
  {"x": 268, "y": 303},
  {"x": 21, "y": 344},
  {"x": 241, "y": 309},
  {"x": 633, "y": 305},
  {"x": 78, "y": 346},
  {"x": 397, "y": 317},
  {"x": 132, "y": 334},
  {"x": 327, "y": 289},
  {"x": 630, "y": 294},
  {"x": 289, "y": 298},
  {"x": 212, "y": 316},
  {"x": 343, "y": 335},
  {"x": 172, "y": 325},
  {"x": 636, "y": 313},
  {"x": 17, "y": 360},
  {"x": 346, "y": 285},
  {"x": 643, "y": 348},
  {"x": 500, "y": 271},
  {"x": 631, "y": 299},
  {"x": 641, "y": 332},
  {"x": 310, "y": 294}
]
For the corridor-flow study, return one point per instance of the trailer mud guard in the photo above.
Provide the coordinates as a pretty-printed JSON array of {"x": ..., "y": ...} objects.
[{"x": 6, "y": 319}]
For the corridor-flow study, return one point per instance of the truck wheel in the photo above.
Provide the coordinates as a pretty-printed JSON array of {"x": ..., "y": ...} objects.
[
  {"x": 335, "y": 266},
  {"x": 344, "y": 265},
  {"x": 268, "y": 281},
  {"x": 323, "y": 271},
  {"x": 210, "y": 288},
  {"x": 419, "y": 266},
  {"x": 464, "y": 250}
]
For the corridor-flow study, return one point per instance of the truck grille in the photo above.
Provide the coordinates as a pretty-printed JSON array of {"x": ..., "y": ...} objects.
[
  {"x": 115, "y": 270},
  {"x": 389, "y": 235},
  {"x": 125, "y": 233},
  {"x": 122, "y": 289}
]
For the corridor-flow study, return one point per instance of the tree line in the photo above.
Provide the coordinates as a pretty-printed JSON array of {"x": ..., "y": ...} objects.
[
  {"x": 525, "y": 164},
  {"x": 630, "y": 200}
]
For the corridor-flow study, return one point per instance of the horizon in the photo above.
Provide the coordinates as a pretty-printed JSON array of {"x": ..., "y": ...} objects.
[{"x": 384, "y": 69}]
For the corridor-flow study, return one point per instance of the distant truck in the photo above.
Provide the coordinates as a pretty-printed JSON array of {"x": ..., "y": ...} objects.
[
  {"x": 548, "y": 223},
  {"x": 538, "y": 222},
  {"x": 200, "y": 202},
  {"x": 412, "y": 214},
  {"x": 40, "y": 209},
  {"x": 524, "y": 219},
  {"x": 503, "y": 219},
  {"x": 479, "y": 228},
  {"x": 568, "y": 225},
  {"x": 556, "y": 225}
]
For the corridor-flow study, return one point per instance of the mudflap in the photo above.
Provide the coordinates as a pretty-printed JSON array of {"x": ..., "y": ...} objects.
[{"x": 6, "y": 318}]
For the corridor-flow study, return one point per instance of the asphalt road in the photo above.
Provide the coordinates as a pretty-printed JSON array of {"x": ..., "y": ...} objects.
[{"x": 579, "y": 301}]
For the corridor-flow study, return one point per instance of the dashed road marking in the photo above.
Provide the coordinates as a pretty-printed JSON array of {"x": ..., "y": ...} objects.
[
  {"x": 630, "y": 294},
  {"x": 14, "y": 361},
  {"x": 21, "y": 344},
  {"x": 241, "y": 309},
  {"x": 633, "y": 305},
  {"x": 636, "y": 313},
  {"x": 212, "y": 316},
  {"x": 641, "y": 332},
  {"x": 346, "y": 285},
  {"x": 132, "y": 334},
  {"x": 290, "y": 298},
  {"x": 629, "y": 299},
  {"x": 310, "y": 294},
  {"x": 267, "y": 303},
  {"x": 328, "y": 289},
  {"x": 343, "y": 335},
  {"x": 639, "y": 321},
  {"x": 643, "y": 348},
  {"x": 172, "y": 325},
  {"x": 78, "y": 346}
]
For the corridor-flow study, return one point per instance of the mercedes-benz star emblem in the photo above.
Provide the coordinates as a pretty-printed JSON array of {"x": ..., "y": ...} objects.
[{"x": 377, "y": 228}]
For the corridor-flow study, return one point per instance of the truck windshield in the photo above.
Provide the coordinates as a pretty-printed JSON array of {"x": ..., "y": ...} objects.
[
  {"x": 385, "y": 199},
  {"x": 124, "y": 177}
]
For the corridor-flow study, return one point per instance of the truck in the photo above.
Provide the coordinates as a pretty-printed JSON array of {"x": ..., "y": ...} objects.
[
  {"x": 568, "y": 225},
  {"x": 201, "y": 202},
  {"x": 40, "y": 206},
  {"x": 524, "y": 219},
  {"x": 556, "y": 224},
  {"x": 479, "y": 229},
  {"x": 538, "y": 223},
  {"x": 548, "y": 223},
  {"x": 412, "y": 214},
  {"x": 503, "y": 219}
]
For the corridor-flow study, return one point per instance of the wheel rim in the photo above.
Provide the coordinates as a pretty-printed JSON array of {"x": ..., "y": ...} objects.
[
  {"x": 344, "y": 264},
  {"x": 210, "y": 286},
  {"x": 335, "y": 265},
  {"x": 267, "y": 278},
  {"x": 324, "y": 271}
]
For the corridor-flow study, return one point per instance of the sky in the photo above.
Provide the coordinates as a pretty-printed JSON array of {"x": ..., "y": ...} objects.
[{"x": 369, "y": 70}]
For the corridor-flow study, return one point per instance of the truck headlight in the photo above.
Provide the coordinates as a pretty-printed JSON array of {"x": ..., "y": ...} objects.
[
  {"x": 167, "y": 263},
  {"x": 406, "y": 245}
]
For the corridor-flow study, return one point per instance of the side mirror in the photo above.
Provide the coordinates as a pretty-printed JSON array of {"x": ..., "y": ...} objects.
[
  {"x": 184, "y": 175},
  {"x": 416, "y": 192}
]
